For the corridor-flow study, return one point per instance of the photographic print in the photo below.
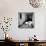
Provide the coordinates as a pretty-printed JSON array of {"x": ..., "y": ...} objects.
[
  {"x": 35, "y": 3},
  {"x": 25, "y": 20}
]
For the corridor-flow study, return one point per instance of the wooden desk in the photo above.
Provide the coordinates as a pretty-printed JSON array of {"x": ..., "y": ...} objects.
[
  {"x": 31, "y": 43},
  {"x": 28, "y": 43}
]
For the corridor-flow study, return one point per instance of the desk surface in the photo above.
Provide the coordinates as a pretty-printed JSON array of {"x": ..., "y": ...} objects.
[
  {"x": 10, "y": 40},
  {"x": 22, "y": 41},
  {"x": 42, "y": 41}
]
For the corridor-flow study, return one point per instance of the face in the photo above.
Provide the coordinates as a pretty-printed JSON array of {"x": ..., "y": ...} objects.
[{"x": 35, "y": 3}]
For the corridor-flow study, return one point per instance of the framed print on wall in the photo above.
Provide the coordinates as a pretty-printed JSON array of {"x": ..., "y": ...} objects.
[
  {"x": 36, "y": 3},
  {"x": 25, "y": 20}
]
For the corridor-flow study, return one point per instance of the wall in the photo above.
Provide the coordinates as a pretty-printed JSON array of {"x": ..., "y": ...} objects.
[{"x": 10, "y": 8}]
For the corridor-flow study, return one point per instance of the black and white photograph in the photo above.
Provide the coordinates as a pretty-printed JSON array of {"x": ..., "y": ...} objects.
[{"x": 26, "y": 20}]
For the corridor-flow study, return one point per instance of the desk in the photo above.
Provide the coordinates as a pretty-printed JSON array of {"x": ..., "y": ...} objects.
[
  {"x": 28, "y": 43},
  {"x": 31, "y": 43}
]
